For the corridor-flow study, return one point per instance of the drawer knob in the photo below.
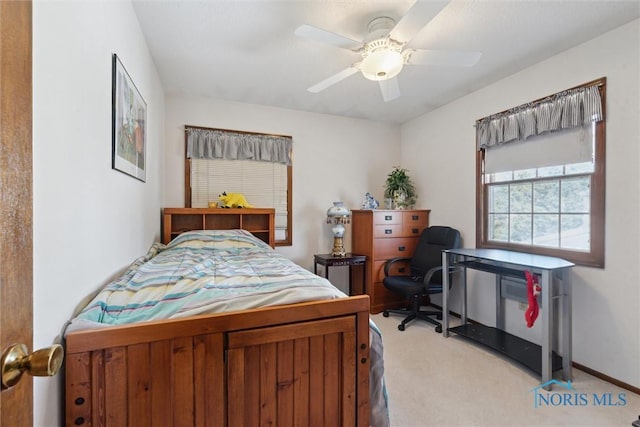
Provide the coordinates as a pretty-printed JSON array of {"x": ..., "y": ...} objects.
[
  {"x": 402, "y": 248},
  {"x": 387, "y": 217},
  {"x": 415, "y": 230},
  {"x": 387, "y": 231},
  {"x": 415, "y": 217}
]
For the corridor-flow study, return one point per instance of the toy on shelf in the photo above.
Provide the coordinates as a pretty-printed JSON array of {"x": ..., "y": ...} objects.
[{"x": 233, "y": 200}]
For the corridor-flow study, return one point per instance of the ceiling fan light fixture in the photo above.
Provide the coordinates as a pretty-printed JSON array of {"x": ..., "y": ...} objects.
[
  {"x": 382, "y": 65},
  {"x": 382, "y": 59}
]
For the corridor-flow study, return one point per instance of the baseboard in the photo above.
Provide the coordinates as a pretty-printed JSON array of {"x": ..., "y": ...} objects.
[
  {"x": 579, "y": 366},
  {"x": 606, "y": 378}
]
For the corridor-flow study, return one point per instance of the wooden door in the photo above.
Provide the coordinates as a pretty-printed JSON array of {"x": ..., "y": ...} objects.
[{"x": 16, "y": 226}]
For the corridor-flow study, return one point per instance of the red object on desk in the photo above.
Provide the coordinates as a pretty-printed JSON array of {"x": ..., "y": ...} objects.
[{"x": 533, "y": 289}]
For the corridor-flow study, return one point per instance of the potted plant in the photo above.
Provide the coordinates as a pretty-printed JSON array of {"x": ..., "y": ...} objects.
[{"x": 400, "y": 189}]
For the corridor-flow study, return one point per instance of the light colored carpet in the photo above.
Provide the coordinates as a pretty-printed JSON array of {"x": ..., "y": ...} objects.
[{"x": 436, "y": 381}]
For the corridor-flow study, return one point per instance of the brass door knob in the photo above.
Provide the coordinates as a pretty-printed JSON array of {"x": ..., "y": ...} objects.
[{"x": 16, "y": 360}]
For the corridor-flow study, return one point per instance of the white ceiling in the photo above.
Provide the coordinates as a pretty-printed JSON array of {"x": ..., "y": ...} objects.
[{"x": 246, "y": 51}]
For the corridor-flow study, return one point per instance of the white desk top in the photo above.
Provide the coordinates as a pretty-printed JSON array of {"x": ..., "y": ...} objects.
[{"x": 514, "y": 258}]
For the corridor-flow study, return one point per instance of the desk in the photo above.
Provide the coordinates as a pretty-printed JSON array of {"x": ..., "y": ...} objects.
[
  {"x": 513, "y": 264},
  {"x": 350, "y": 259}
]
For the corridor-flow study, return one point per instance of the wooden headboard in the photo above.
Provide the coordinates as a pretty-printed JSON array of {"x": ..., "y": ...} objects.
[{"x": 260, "y": 222}]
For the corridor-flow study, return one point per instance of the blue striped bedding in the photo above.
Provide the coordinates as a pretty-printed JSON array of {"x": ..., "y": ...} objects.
[
  {"x": 206, "y": 271},
  {"x": 211, "y": 271}
]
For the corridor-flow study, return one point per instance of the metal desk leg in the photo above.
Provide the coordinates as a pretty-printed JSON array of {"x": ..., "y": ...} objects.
[
  {"x": 445, "y": 294},
  {"x": 499, "y": 305},
  {"x": 547, "y": 327},
  {"x": 315, "y": 267},
  {"x": 463, "y": 315},
  {"x": 566, "y": 323}
]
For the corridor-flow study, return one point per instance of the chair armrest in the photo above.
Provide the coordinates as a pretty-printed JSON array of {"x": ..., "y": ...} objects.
[
  {"x": 390, "y": 261},
  {"x": 431, "y": 272}
]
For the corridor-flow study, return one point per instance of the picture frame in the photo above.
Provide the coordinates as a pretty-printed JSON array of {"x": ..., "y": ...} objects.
[{"x": 129, "y": 124}]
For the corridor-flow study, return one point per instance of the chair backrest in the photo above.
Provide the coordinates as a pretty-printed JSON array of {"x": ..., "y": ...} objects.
[{"x": 428, "y": 253}]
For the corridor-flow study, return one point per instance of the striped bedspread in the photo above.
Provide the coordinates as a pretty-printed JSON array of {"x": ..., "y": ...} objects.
[
  {"x": 213, "y": 271},
  {"x": 202, "y": 272}
]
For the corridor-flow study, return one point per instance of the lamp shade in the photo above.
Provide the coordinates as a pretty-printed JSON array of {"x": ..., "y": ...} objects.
[{"x": 338, "y": 209}]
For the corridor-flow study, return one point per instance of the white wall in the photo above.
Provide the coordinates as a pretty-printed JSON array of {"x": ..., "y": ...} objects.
[
  {"x": 334, "y": 158},
  {"x": 439, "y": 148},
  {"x": 90, "y": 221}
]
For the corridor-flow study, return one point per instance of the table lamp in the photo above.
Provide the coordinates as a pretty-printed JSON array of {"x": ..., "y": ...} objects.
[{"x": 338, "y": 215}]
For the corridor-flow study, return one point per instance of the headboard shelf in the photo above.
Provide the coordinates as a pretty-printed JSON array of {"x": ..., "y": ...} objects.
[{"x": 259, "y": 221}]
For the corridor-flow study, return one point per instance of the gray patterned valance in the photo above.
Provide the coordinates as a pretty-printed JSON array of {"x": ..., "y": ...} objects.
[
  {"x": 222, "y": 144},
  {"x": 568, "y": 109}
]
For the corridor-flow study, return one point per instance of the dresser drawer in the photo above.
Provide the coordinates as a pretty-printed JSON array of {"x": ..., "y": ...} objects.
[
  {"x": 387, "y": 217},
  {"x": 397, "y": 269},
  {"x": 388, "y": 230},
  {"x": 394, "y": 247},
  {"x": 413, "y": 218},
  {"x": 397, "y": 230},
  {"x": 412, "y": 230}
]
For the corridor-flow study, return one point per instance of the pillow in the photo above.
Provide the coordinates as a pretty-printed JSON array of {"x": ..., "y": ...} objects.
[{"x": 218, "y": 239}]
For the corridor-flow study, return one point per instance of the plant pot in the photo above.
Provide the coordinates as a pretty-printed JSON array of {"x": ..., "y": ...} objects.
[{"x": 399, "y": 200}]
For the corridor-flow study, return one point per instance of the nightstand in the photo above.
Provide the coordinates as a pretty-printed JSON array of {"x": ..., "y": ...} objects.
[{"x": 327, "y": 260}]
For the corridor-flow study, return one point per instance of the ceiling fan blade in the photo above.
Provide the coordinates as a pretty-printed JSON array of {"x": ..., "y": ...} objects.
[
  {"x": 330, "y": 81},
  {"x": 416, "y": 18},
  {"x": 327, "y": 37},
  {"x": 447, "y": 58},
  {"x": 390, "y": 89}
]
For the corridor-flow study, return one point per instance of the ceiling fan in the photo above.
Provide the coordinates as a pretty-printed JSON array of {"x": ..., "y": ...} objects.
[{"x": 384, "y": 51}]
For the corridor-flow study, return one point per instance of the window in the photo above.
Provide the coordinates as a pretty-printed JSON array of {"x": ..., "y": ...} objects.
[
  {"x": 264, "y": 184},
  {"x": 257, "y": 165},
  {"x": 545, "y": 194}
]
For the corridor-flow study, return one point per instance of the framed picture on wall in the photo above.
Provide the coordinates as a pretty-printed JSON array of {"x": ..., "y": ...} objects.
[{"x": 129, "y": 128}]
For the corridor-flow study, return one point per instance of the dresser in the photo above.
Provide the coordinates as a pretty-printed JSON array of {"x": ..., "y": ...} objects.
[{"x": 381, "y": 235}]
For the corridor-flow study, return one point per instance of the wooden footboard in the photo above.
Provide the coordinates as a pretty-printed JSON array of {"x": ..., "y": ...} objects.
[{"x": 299, "y": 365}]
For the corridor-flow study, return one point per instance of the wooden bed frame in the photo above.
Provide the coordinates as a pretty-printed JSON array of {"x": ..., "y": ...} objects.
[{"x": 294, "y": 365}]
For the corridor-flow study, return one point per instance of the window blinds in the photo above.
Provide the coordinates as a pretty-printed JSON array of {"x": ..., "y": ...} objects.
[
  {"x": 563, "y": 147},
  {"x": 552, "y": 131},
  {"x": 264, "y": 185}
]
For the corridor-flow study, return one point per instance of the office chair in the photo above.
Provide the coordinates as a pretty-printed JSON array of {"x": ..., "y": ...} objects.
[{"x": 425, "y": 274}]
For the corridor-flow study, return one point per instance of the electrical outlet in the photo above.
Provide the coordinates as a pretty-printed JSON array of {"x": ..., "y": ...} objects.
[{"x": 523, "y": 306}]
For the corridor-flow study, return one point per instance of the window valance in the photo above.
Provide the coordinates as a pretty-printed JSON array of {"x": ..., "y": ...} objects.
[
  {"x": 568, "y": 109},
  {"x": 205, "y": 143}
]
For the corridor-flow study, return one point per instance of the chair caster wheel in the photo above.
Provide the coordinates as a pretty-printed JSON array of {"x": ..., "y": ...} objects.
[
  {"x": 439, "y": 316},
  {"x": 385, "y": 313},
  {"x": 439, "y": 329},
  {"x": 401, "y": 327}
]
